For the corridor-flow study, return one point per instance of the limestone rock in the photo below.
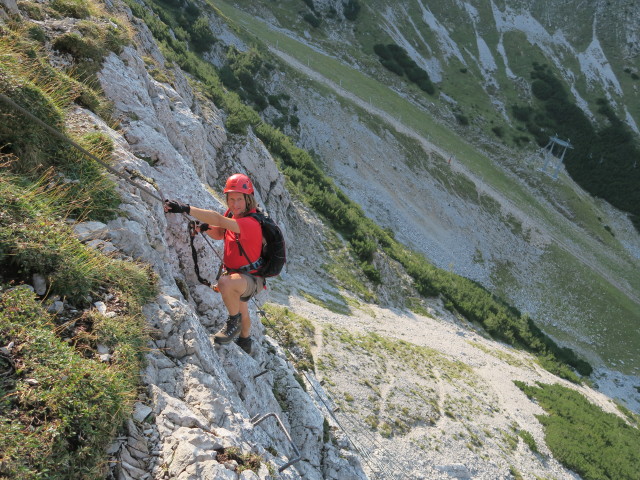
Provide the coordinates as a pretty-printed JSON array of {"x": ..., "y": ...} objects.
[
  {"x": 39, "y": 284},
  {"x": 86, "y": 231}
]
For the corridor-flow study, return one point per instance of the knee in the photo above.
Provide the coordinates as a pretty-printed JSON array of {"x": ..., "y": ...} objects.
[{"x": 227, "y": 283}]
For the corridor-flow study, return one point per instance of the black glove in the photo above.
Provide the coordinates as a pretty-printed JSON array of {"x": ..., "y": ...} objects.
[
  {"x": 204, "y": 227},
  {"x": 176, "y": 207}
]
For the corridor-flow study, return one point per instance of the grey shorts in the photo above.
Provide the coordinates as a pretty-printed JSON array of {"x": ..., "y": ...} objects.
[{"x": 254, "y": 285}]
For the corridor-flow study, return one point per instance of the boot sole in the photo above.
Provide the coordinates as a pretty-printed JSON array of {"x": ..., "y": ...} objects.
[{"x": 225, "y": 340}]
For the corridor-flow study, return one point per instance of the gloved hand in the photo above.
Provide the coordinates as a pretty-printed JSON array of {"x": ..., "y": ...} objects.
[
  {"x": 171, "y": 206},
  {"x": 204, "y": 227}
]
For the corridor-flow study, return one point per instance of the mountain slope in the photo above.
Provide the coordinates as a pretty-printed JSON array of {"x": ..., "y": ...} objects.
[
  {"x": 501, "y": 222},
  {"x": 196, "y": 416}
]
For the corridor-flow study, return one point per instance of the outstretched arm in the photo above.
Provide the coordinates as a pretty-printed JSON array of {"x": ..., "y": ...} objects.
[
  {"x": 213, "y": 218},
  {"x": 217, "y": 223}
]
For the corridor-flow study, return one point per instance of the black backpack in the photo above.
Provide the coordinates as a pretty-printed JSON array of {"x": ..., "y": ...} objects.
[{"x": 274, "y": 253}]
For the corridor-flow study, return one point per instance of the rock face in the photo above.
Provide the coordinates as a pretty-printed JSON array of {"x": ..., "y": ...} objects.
[
  {"x": 196, "y": 420},
  {"x": 8, "y": 8}
]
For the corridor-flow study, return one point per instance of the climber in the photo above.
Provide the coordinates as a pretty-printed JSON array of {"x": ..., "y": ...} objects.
[{"x": 242, "y": 235}]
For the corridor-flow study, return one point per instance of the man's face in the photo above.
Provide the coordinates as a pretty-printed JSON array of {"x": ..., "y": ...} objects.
[{"x": 236, "y": 203}]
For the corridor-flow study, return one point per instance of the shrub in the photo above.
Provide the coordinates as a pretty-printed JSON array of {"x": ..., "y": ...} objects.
[
  {"x": 201, "y": 36},
  {"x": 30, "y": 143},
  {"x": 529, "y": 440},
  {"x": 462, "y": 119},
  {"x": 522, "y": 113},
  {"x": 311, "y": 19},
  {"x": 382, "y": 51},
  {"x": 37, "y": 34},
  {"x": 595, "y": 444},
  {"x": 115, "y": 36},
  {"x": 395, "y": 58},
  {"x": 351, "y": 9},
  {"x": 372, "y": 273},
  {"x": 229, "y": 78},
  {"x": 541, "y": 90},
  {"x": 78, "y": 47},
  {"x": 498, "y": 131},
  {"x": 426, "y": 86},
  {"x": 73, "y": 8},
  {"x": 392, "y": 66}
]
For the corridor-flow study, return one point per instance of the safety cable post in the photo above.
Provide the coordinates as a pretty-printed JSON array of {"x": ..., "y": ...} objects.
[{"x": 256, "y": 420}]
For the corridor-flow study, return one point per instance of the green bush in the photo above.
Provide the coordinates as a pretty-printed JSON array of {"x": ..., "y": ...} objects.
[
  {"x": 498, "y": 131},
  {"x": 351, "y": 9},
  {"x": 312, "y": 20},
  {"x": 462, "y": 119},
  {"x": 382, "y": 51},
  {"x": 595, "y": 444},
  {"x": 392, "y": 66},
  {"x": 37, "y": 34},
  {"x": 32, "y": 144},
  {"x": 529, "y": 440},
  {"x": 522, "y": 113},
  {"x": 201, "y": 35},
  {"x": 395, "y": 58},
  {"x": 72, "y": 8},
  {"x": 78, "y": 47}
]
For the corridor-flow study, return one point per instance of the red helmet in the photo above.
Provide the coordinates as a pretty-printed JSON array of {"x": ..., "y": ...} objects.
[{"x": 238, "y": 182}]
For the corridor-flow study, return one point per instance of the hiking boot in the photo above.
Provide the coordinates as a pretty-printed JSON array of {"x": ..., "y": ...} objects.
[
  {"x": 230, "y": 331},
  {"x": 245, "y": 344}
]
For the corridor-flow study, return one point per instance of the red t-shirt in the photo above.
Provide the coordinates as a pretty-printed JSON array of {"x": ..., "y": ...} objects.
[{"x": 250, "y": 237}]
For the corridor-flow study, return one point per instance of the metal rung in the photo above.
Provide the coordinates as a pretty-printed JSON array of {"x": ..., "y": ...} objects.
[
  {"x": 260, "y": 374},
  {"x": 257, "y": 420}
]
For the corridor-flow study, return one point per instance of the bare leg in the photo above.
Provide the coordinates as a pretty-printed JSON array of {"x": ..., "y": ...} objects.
[
  {"x": 246, "y": 319},
  {"x": 231, "y": 287}
]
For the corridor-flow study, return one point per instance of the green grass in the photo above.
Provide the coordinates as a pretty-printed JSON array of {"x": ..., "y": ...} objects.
[
  {"x": 60, "y": 404},
  {"x": 607, "y": 316},
  {"x": 292, "y": 332}
]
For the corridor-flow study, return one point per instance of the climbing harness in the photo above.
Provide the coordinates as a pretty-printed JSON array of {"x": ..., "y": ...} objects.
[{"x": 192, "y": 233}]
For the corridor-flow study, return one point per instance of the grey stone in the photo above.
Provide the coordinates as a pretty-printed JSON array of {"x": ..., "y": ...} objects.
[
  {"x": 141, "y": 411},
  {"x": 39, "y": 284},
  {"x": 90, "y": 230},
  {"x": 101, "y": 307},
  {"x": 56, "y": 307}
]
